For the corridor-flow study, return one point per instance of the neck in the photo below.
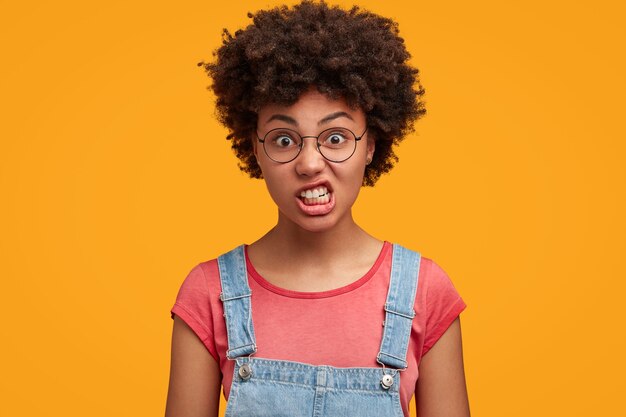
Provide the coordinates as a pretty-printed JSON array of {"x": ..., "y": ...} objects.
[
  {"x": 291, "y": 257},
  {"x": 289, "y": 241}
]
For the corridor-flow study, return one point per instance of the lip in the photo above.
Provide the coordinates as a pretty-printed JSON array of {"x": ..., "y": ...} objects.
[
  {"x": 317, "y": 209},
  {"x": 314, "y": 185}
]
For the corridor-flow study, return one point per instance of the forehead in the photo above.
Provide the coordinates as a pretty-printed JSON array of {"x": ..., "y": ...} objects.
[{"x": 312, "y": 108}]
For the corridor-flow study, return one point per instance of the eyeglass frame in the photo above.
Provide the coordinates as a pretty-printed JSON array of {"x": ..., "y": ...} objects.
[{"x": 301, "y": 145}]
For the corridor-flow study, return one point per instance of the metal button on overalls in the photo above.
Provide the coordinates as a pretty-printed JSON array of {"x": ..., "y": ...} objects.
[
  {"x": 245, "y": 372},
  {"x": 386, "y": 381}
]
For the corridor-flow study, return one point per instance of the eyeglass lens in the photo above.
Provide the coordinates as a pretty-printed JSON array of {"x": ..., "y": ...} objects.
[{"x": 335, "y": 144}]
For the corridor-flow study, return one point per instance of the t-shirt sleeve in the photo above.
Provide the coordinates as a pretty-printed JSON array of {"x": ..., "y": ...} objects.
[
  {"x": 443, "y": 305},
  {"x": 193, "y": 307}
]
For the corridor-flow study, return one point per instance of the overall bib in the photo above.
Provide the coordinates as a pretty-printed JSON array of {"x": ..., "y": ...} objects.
[{"x": 272, "y": 388}]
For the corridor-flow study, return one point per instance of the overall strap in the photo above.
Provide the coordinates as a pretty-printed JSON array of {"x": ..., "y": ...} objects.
[
  {"x": 399, "y": 310},
  {"x": 235, "y": 297}
]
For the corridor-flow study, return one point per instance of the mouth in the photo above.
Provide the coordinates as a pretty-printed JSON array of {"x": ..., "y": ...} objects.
[
  {"x": 315, "y": 196},
  {"x": 316, "y": 200}
]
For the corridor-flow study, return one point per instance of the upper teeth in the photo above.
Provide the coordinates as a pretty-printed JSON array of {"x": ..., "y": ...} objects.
[{"x": 314, "y": 192}]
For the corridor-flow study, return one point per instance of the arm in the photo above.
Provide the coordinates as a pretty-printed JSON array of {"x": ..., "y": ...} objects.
[
  {"x": 440, "y": 390},
  {"x": 195, "y": 377}
]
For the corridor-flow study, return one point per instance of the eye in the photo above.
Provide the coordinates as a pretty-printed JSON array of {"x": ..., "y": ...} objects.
[
  {"x": 335, "y": 139},
  {"x": 283, "y": 141}
]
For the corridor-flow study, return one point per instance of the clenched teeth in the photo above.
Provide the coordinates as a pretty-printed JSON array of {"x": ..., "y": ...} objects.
[
  {"x": 317, "y": 195},
  {"x": 314, "y": 192}
]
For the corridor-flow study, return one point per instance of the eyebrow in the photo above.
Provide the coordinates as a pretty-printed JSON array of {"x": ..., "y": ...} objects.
[
  {"x": 334, "y": 116},
  {"x": 294, "y": 122},
  {"x": 283, "y": 118}
]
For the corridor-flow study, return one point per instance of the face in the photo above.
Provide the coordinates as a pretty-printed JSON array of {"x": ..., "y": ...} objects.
[{"x": 294, "y": 185}]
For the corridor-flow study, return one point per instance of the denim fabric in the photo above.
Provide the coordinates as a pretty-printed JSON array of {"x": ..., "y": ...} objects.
[
  {"x": 235, "y": 297},
  {"x": 286, "y": 388},
  {"x": 399, "y": 307}
]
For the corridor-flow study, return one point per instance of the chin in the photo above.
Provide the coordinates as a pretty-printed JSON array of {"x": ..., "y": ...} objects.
[
  {"x": 317, "y": 227},
  {"x": 313, "y": 224}
]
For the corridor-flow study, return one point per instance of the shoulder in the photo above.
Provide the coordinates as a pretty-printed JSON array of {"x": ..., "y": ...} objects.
[
  {"x": 432, "y": 277},
  {"x": 201, "y": 281},
  {"x": 197, "y": 301},
  {"x": 437, "y": 301}
]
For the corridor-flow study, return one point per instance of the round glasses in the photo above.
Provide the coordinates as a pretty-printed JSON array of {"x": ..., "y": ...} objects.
[{"x": 336, "y": 144}]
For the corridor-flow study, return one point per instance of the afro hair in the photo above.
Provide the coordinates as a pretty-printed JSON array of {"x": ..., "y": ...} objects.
[{"x": 351, "y": 54}]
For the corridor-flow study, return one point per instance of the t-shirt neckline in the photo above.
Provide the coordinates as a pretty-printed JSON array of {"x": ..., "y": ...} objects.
[{"x": 317, "y": 294}]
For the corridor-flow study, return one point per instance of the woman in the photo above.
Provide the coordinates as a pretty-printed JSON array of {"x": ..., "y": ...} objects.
[{"x": 317, "y": 317}]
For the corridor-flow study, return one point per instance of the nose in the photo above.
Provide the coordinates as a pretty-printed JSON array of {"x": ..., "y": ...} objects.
[{"x": 310, "y": 161}]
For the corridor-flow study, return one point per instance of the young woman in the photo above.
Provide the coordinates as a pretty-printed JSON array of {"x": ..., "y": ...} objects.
[{"x": 317, "y": 317}]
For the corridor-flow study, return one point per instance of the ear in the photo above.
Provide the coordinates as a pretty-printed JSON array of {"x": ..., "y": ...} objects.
[
  {"x": 371, "y": 147},
  {"x": 254, "y": 147}
]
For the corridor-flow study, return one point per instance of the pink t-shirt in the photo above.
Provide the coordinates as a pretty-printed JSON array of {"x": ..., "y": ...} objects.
[{"x": 340, "y": 327}]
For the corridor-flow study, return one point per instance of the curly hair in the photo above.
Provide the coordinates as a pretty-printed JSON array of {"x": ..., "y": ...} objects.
[{"x": 351, "y": 54}]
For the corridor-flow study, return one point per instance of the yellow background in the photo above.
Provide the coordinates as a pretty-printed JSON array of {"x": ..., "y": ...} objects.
[{"x": 116, "y": 180}]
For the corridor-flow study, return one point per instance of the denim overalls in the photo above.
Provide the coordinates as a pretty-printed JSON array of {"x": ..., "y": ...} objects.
[{"x": 268, "y": 387}]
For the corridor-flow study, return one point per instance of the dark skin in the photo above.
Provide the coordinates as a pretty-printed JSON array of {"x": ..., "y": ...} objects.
[
  {"x": 353, "y": 54},
  {"x": 195, "y": 377},
  {"x": 309, "y": 246}
]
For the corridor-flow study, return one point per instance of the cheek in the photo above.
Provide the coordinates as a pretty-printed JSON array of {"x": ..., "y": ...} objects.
[
  {"x": 263, "y": 164},
  {"x": 276, "y": 182},
  {"x": 351, "y": 179},
  {"x": 275, "y": 192}
]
